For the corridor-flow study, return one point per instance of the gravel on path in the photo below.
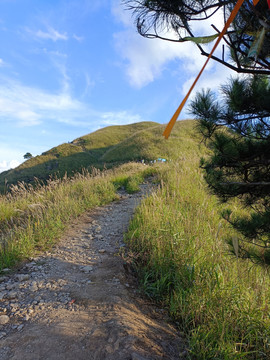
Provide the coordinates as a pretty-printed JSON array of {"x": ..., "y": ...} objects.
[{"x": 77, "y": 301}]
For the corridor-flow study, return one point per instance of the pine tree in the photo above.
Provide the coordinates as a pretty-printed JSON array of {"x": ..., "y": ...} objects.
[
  {"x": 238, "y": 127},
  {"x": 238, "y": 131},
  {"x": 173, "y": 20}
]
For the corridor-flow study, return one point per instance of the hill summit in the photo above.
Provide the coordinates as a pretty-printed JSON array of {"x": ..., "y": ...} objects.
[{"x": 107, "y": 147}]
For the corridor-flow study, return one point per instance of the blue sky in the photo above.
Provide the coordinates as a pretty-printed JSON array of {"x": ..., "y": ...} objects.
[{"x": 70, "y": 67}]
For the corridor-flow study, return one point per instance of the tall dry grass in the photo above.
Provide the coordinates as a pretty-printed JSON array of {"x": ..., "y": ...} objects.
[{"x": 32, "y": 218}]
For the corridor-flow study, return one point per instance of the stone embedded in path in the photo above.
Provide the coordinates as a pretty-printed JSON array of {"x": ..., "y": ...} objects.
[
  {"x": 10, "y": 286},
  {"x": 6, "y": 270},
  {"x": 33, "y": 286},
  {"x": 23, "y": 277},
  {"x": 95, "y": 317},
  {"x": 86, "y": 269},
  {"x": 4, "y": 319},
  {"x": 11, "y": 295}
]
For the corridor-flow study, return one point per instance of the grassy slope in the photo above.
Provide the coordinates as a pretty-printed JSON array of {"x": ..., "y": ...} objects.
[
  {"x": 109, "y": 146},
  {"x": 83, "y": 152},
  {"x": 178, "y": 240},
  {"x": 33, "y": 218},
  {"x": 151, "y": 144}
]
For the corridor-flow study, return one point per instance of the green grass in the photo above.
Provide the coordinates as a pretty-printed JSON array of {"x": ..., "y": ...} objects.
[
  {"x": 83, "y": 153},
  {"x": 32, "y": 218},
  {"x": 131, "y": 183},
  {"x": 177, "y": 241},
  {"x": 106, "y": 147}
]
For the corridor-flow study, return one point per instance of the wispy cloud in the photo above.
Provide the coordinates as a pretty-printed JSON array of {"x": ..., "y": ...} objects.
[
  {"x": 22, "y": 106},
  {"x": 78, "y": 38},
  {"x": 10, "y": 157},
  {"x": 145, "y": 59},
  {"x": 29, "y": 106},
  {"x": 119, "y": 118},
  {"x": 49, "y": 34},
  {"x": 6, "y": 165},
  {"x": 89, "y": 84},
  {"x": 53, "y": 53}
]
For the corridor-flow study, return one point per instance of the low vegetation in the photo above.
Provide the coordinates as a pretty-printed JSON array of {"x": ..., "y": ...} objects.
[
  {"x": 104, "y": 148},
  {"x": 32, "y": 218},
  {"x": 177, "y": 241}
]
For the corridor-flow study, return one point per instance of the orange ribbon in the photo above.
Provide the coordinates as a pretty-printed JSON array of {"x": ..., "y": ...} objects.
[{"x": 235, "y": 10}]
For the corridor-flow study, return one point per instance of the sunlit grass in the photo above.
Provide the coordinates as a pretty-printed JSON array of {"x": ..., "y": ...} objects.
[
  {"x": 32, "y": 218},
  {"x": 178, "y": 240}
]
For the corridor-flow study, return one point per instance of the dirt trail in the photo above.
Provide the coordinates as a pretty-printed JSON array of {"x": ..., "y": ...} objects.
[{"x": 78, "y": 302}]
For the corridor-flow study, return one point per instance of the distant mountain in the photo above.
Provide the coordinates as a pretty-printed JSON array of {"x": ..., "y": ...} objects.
[{"x": 108, "y": 147}]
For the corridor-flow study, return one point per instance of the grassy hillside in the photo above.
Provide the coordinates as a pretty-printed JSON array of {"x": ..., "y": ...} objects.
[
  {"x": 178, "y": 242},
  {"x": 177, "y": 237},
  {"x": 110, "y": 146},
  {"x": 33, "y": 218},
  {"x": 81, "y": 153}
]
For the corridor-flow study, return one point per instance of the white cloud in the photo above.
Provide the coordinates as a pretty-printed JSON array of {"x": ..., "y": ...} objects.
[
  {"x": 14, "y": 163},
  {"x": 89, "y": 84},
  {"x": 65, "y": 79},
  {"x": 121, "y": 14},
  {"x": 145, "y": 59},
  {"x": 51, "y": 34},
  {"x": 6, "y": 165},
  {"x": 56, "y": 53},
  {"x": 119, "y": 118},
  {"x": 28, "y": 117},
  {"x": 28, "y": 106},
  {"x": 219, "y": 75},
  {"x": 78, "y": 38}
]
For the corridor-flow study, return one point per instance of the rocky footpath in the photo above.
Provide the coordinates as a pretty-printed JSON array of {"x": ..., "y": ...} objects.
[{"x": 77, "y": 301}]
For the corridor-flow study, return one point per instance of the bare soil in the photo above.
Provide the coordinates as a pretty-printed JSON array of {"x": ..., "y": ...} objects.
[{"x": 79, "y": 301}]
